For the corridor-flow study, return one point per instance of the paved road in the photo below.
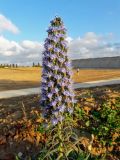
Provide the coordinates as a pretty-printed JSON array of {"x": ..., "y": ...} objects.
[{"x": 30, "y": 91}]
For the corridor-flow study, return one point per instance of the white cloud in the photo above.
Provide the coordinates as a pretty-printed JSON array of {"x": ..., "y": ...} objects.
[
  {"x": 30, "y": 44},
  {"x": 9, "y": 48},
  {"x": 31, "y": 56},
  {"x": 89, "y": 46},
  {"x": 26, "y": 52},
  {"x": 92, "y": 45},
  {"x": 7, "y": 25}
]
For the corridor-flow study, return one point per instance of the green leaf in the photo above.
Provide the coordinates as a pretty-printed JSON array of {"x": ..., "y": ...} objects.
[{"x": 87, "y": 123}]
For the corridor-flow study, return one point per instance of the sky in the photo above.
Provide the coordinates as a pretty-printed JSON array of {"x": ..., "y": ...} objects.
[{"x": 92, "y": 28}]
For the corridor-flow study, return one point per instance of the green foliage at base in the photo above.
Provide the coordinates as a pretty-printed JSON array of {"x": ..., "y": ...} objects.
[{"x": 103, "y": 123}]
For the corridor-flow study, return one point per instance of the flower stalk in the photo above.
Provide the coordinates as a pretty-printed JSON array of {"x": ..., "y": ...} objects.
[{"x": 57, "y": 98}]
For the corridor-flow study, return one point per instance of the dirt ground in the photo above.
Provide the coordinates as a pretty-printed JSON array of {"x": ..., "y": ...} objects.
[
  {"x": 26, "y": 77},
  {"x": 19, "y": 121},
  {"x": 20, "y": 118}
]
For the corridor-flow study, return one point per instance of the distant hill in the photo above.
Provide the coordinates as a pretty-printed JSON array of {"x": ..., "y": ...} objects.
[{"x": 104, "y": 62}]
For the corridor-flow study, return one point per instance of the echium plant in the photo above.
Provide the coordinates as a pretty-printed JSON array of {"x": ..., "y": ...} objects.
[{"x": 57, "y": 97}]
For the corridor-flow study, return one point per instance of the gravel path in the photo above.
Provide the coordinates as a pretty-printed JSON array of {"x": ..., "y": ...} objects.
[{"x": 30, "y": 91}]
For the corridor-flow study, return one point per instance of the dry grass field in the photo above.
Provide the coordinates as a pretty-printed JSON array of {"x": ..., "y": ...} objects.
[{"x": 16, "y": 78}]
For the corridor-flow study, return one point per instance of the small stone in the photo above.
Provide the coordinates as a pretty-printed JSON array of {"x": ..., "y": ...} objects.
[
  {"x": 20, "y": 154},
  {"x": 27, "y": 148}
]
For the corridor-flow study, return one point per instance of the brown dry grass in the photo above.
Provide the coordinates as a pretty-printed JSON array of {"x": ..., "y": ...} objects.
[
  {"x": 11, "y": 78},
  {"x": 86, "y": 75},
  {"x": 21, "y": 74}
]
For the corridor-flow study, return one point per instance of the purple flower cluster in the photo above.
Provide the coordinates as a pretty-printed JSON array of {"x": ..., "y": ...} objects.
[
  {"x": 53, "y": 56},
  {"x": 53, "y": 38},
  {"x": 57, "y": 50},
  {"x": 62, "y": 70},
  {"x": 57, "y": 96},
  {"x": 55, "y": 67},
  {"x": 61, "y": 60},
  {"x": 57, "y": 77},
  {"x": 55, "y": 29}
]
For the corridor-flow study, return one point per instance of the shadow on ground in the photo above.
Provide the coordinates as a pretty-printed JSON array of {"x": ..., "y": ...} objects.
[{"x": 12, "y": 85}]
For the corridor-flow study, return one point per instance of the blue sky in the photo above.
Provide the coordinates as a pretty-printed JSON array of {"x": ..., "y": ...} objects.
[{"x": 81, "y": 17}]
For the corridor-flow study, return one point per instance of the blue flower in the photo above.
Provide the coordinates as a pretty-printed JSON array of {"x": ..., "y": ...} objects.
[
  {"x": 70, "y": 110},
  {"x": 49, "y": 29},
  {"x": 53, "y": 38},
  {"x": 67, "y": 64},
  {"x": 66, "y": 93},
  {"x": 54, "y": 121},
  {"x": 53, "y": 103},
  {"x": 59, "y": 98},
  {"x": 44, "y": 80},
  {"x": 64, "y": 44},
  {"x": 60, "y": 35},
  {"x": 58, "y": 77},
  {"x": 63, "y": 84},
  {"x": 65, "y": 79},
  {"x": 57, "y": 50},
  {"x": 49, "y": 65},
  {"x": 56, "y": 90},
  {"x": 63, "y": 70},
  {"x": 61, "y": 60},
  {"x": 50, "y": 84},
  {"x": 53, "y": 56},
  {"x": 69, "y": 72},
  {"x": 55, "y": 67},
  {"x": 49, "y": 46},
  {"x": 45, "y": 88},
  {"x": 61, "y": 108},
  {"x": 49, "y": 95}
]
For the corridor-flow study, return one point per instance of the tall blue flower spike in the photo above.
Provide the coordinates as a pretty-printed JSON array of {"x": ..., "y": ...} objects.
[{"x": 57, "y": 96}]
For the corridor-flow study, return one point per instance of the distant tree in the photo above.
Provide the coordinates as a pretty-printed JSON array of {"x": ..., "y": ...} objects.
[
  {"x": 16, "y": 66},
  {"x": 33, "y": 64},
  {"x": 38, "y": 64},
  {"x": 13, "y": 65}
]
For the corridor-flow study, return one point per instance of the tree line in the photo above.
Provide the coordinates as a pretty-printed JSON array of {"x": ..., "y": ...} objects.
[
  {"x": 16, "y": 65},
  {"x": 8, "y": 65},
  {"x": 36, "y": 65}
]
